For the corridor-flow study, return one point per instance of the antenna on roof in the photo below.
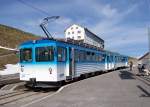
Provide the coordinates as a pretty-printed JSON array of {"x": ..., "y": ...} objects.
[{"x": 45, "y": 21}]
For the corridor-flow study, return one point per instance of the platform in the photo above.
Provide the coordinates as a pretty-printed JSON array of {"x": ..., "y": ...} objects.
[{"x": 116, "y": 89}]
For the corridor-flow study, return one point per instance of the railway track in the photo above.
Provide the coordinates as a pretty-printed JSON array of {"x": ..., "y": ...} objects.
[
  {"x": 10, "y": 95},
  {"x": 9, "y": 79},
  {"x": 20, "y": 96},
  {"x": 146, "y": 80},
  {"x": 8, "y": 98}
]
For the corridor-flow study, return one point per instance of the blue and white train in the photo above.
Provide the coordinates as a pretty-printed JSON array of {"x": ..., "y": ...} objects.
[{"x": 50, "y": 62}]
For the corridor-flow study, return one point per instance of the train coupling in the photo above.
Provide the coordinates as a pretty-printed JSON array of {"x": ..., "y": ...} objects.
[{"x": 33, "y": 82}]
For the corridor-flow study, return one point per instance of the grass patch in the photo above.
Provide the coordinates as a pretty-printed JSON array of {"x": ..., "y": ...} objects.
[{"x": 11, "y": 37}]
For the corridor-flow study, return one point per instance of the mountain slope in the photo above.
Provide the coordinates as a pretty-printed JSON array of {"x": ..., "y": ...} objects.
[{"x": 11, "y": 37}]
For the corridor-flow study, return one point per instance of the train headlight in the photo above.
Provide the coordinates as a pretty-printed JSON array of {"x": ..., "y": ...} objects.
[{"x": 50, "y": 70}]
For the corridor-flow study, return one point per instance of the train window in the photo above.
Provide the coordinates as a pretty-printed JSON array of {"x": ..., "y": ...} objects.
[
  {"x": 26, "y": 55},
  {"x": 88, "y": 56},
  {"x": 88, "y": 53},
  {"x": 77, "y": 55},
  {"x": 93, "y": 55},
  {"x": 97, "y": 57},
  {"x": 61, "y": 54},
  {"x": 117, "y": 59},
  {"x": 44, "y": 54},
  {"x": 81, "y": 56},
  {"x": 123, "y": 59},
  {"x": 101, "y": 58},
  {"x": 110, "y": 59}
]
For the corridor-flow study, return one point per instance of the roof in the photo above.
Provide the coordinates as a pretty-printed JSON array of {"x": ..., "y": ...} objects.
[
  {"x": 71, "y": 42},
  {"x": 146, "y": 54},
  {"x": 68, "y": 41},
  {"x": 86, "y": 29},
  {"x": 72, "y": 25},
  {"x": 97, "y": 37}
]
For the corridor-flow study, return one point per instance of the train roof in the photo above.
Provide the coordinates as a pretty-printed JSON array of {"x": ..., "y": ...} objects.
[
  {"x": 67, "y": 42},
  {"x": 71, "y": 42}
]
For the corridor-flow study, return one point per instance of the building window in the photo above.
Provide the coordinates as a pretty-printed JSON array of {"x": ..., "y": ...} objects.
[
  {"x": 76, "y": 27},
  {"x": 79, "y": 37},
  {"x": 79, "y": 31},
  {"x": 71, "y": 28},
  {"x": 68, "y": 33},
  {"x": 72, "y": 32}
]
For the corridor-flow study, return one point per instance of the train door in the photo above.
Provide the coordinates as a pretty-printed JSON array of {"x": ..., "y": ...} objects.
[
  {"x": 61, "y": 62},
  {"x": 26, "y": 62},
  {"x": 71, "y": 73},
  {"x": 107, "y": 63},
  {"x": 111, "y": 62},
  {"x": 114, "y": 62},
  {"x": 126, "y": 63}
]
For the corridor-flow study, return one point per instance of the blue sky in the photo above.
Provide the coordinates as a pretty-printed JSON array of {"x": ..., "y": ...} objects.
[{"x": 121, "y": 23}]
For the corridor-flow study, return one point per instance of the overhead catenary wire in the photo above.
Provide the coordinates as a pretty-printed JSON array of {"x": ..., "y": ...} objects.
[
  {"x": 41, "y": 11},
  {"x": 33, "y": 7}
]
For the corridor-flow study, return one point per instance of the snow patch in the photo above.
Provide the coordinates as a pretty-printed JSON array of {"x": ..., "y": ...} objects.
[{"x": 10, "y": 69}]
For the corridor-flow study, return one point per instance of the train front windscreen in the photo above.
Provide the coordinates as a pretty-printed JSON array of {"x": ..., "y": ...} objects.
[
  {"x": 26, "y": 55},
  {"x": 41, "y": 54}
]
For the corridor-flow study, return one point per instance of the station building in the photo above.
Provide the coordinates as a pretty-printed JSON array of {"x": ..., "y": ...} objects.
[
  {"x": 145, "y": 59},
  {"x": 79, "y": 33}
]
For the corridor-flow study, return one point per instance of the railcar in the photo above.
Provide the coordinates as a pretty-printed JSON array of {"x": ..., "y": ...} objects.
[{"x": 49, "y": 62}]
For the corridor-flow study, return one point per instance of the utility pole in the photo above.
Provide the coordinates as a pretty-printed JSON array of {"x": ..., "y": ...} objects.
[
  {"x": 149, "y": 44},
  {"x": 149, "y": 37}
]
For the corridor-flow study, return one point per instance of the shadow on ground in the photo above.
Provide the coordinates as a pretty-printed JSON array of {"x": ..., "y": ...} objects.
[
  {"x": 146, "y": 93},
  {"x": 126, "y": 75}
]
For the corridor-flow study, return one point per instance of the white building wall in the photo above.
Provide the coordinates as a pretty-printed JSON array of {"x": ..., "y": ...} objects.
[{"x": 75, "y": 32}]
